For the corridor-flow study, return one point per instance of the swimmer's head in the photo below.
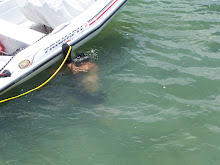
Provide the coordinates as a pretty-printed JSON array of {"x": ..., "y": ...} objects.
[{"x": 80, "y": 58}]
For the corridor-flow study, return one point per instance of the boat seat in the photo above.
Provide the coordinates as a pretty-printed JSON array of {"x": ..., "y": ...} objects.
[{"x": 13, "y": 36}]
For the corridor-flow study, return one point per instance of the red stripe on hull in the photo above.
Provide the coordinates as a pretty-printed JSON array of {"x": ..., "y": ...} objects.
[{"x": 103, "y": 13}]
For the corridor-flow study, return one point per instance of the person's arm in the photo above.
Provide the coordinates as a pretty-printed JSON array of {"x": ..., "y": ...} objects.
[{"x": 73, "y": 68}]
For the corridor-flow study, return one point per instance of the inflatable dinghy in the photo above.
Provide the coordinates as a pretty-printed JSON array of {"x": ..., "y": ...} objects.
[{"x": 32, "y": 33}]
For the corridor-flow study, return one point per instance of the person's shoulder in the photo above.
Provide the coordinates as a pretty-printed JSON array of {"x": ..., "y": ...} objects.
[{"x": 92, "y": 65}]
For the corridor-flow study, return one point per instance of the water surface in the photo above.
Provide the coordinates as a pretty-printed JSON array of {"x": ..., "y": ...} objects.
[{"x": 159, "y": 97}]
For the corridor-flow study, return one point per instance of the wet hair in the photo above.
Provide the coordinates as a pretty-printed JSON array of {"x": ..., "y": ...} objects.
[{"x": 80, "y": 58}]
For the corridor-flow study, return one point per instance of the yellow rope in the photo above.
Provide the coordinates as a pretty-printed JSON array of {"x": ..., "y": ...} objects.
[{"x": 61, "y": 65}]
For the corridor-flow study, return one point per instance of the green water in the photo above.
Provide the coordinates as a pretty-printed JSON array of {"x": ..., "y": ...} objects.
[{"x": 158, "y": 103}]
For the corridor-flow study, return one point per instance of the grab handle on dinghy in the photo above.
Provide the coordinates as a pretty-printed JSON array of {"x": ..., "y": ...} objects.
[
  {"x": 38, "y": 87},
  {"x": 5, "y": 73}
]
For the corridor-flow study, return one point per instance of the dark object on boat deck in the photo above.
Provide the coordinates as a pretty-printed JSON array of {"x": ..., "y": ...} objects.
[{"x": 5, "y": 73}]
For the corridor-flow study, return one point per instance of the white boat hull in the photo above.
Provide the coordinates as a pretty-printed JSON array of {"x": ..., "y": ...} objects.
[{"x": 47, "y": 50}]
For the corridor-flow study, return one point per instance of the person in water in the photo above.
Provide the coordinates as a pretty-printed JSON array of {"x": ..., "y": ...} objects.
[{"x": 86, "y": 70}]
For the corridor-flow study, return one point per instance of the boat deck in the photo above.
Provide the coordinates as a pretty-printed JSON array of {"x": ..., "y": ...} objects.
[
  {"x": 16, "y": 30},
  {"x": 10, "y": 12}
]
